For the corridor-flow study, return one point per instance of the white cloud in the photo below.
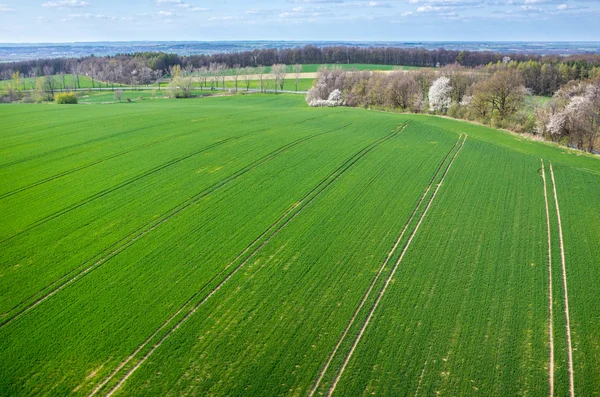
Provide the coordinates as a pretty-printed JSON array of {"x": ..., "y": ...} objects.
[
  {"x": 66, "y": 3},
  {"x": 95, "y": 16},
  {"x": 6, "y": 8},
  {"x": 562, "y": 7},
  {"x": 165, "y": 13}
]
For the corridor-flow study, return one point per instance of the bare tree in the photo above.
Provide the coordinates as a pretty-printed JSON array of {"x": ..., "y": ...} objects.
[
  {"x": 74, "y": 68},
  {"x": 33, "y": 77},
  {"x": 278, "y": 73},
  {"x": 260, "y": 71},
  {"x": 119, "y": 94},
  {"x": 63, "y": 79},
  {"x": 247, "y": 77},
  {"x": 49, "y": 80},
  {"x": 223, "y": 73},
  {"x": 236, "y": 74},
  {"x": 297, "y": 69},
  {"x": 213, "y": 70}
]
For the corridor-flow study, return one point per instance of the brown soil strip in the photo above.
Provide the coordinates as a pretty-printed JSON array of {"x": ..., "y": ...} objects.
[{"x": 564, "y": 278}]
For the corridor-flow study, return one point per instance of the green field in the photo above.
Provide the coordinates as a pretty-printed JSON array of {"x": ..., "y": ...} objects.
[
  {"x": 251, "y": 245},
  {"x": 312, "y": 68},
  {"x": 29, "y": 83},
  {"x": 288, "y": 85}
]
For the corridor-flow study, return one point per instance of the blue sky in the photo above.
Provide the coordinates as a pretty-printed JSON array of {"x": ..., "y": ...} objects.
[{"x": 401, "y": 20}]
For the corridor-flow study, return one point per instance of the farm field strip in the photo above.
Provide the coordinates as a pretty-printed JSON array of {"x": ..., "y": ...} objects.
[
  {"x": 47, "y": 143},
  {"x": 484, "y": 334},
  {"x": 565, "y": 290},
  {"x": 276, "y": 227},
  {"x": 93, "y": 163},
  {"x": 321, "y": 257},
  {"x": 550, "y": 301},
  {"x": 180, "y": 233},
  {"x": 139, "y": 233},
  {"x": 379, "y": 272},
  {"x": 388, "y": 280},
  {"x": 579, "y": 199},
  {"x": 112, "y": 189},
  {"x": 67, "y": 147},
  {"x": 76, "y": 234},
  {"x": 44, "y": 166},
  {"x": 312, "y": 251}
]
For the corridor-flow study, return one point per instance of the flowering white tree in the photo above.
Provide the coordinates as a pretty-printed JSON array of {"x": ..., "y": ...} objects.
[
  {"x": 579, "y": 119},
  {"x": 334, "y": 99},
  {"x": 439, "y": 94}
]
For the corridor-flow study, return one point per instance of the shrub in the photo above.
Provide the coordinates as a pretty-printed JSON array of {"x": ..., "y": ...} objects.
[{"x": 66, "y": 98}]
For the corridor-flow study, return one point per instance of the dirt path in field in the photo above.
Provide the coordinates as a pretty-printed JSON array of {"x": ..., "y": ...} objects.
[
  {"x": 550, "y": 301},
  {"x": 564, "y": 278},
  {"x": 276, "y": 227},
  {"x": 374, "y": 281},
  {"x": 393, "y": 272}
]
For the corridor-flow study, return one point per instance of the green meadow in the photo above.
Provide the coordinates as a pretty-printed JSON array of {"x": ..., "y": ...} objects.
[{"x": 251, "y": 245}]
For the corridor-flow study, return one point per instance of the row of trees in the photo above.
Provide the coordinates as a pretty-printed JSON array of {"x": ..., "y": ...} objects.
[
  {"x": 216, "y": 74},
  {"x": 542, "y": 74},
  {"x": 181, "y": 79},
  {"x": 495, "y": 96}
]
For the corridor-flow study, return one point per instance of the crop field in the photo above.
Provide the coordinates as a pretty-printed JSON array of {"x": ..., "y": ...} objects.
[
  {"x": 29, "y": 83},
  {"x": 251, "y": 245}
]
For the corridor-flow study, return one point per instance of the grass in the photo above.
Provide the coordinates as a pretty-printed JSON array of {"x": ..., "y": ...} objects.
[
  {"x": 29, "y": 83},
  {"x": 225, "y": 244},
  {"x": 312, "y": 68}
]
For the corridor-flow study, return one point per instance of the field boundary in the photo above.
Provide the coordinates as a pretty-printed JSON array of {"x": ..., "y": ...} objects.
[
  {"x": 550, "y": 298},
  {"x": 139, "y": 233},
  {"x": 276, "y": 227},
  {"x": 564, "y": 280},
  {"x": 379, "y": 272},
  {"x": 392, "y": 273}
]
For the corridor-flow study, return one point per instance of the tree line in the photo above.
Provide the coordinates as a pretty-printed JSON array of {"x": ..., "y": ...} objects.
[
  {"x": 542, "y": 73},
  {"x": 495, "y": 96}
]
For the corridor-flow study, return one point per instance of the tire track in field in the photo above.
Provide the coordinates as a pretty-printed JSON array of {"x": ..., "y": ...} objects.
[
  {"x": 565, "y": 291},
  {"x": 392, "y": 273},
  {"x": 75, "y": 145},
  {"x": 73, "y": 170},
  {"x": 274, "y": 229},
  {"x": 423, "y": 372},
  {"x": 550, "y": 299},
  {"x": 379, "y": 272},
  {"x": 106, "y": 137},
  {"x": 112, "y": 189},
  {"x": 139, "y": 233}
]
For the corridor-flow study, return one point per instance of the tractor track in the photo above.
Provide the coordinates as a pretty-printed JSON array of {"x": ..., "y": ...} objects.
[
  {"x": 380, "y": 271},
  {"x": 550, "y": 298},
  {"x": 139, "y": 233},
  {"x": 565, "y": 291},
  {"x": 392, "y": 273},
  {"x": 274, "y": 229},
  {"x": 112, "y": 189}
]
